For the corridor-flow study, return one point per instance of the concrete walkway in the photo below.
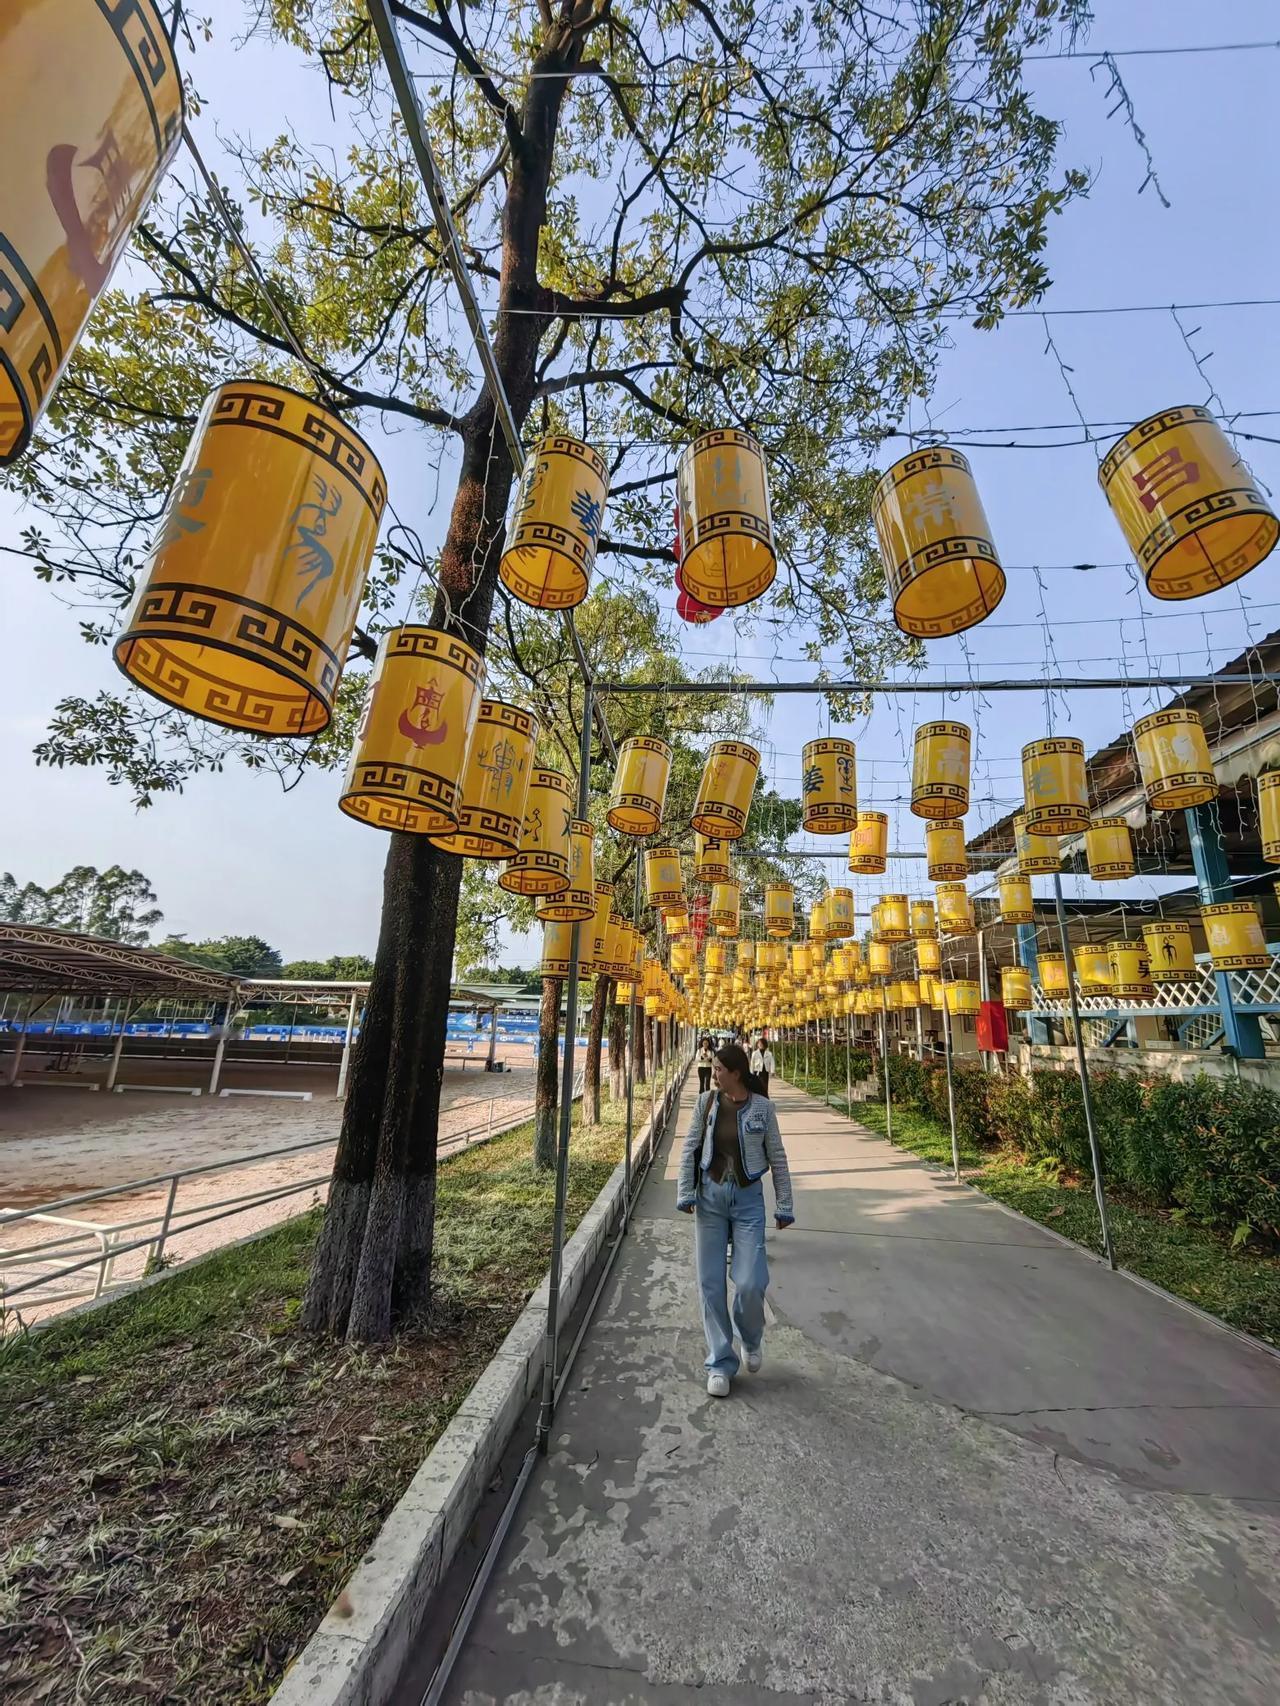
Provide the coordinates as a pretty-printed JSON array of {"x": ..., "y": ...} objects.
[{"x": 976, "y": 1467}]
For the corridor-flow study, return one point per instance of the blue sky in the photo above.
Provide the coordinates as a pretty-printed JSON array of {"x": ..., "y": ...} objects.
[{"x": 234, "y": 854}]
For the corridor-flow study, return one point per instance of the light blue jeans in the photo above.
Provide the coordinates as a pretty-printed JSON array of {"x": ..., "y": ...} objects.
[{"x": 722, "y": 1208}]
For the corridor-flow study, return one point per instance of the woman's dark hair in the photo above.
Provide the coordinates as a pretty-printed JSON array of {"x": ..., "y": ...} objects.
[{"x": 734, "y": 1058}]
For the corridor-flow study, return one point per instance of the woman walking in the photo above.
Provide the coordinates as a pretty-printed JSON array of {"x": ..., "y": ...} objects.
[
  {"x": 732, "y": 1141},
  {"x": 762, "y": 1063},
  {"x": 705, "y": 1060}
]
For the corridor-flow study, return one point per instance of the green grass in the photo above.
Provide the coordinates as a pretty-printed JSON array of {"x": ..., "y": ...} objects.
[
  {"x": 187, "y": 1479},
  {"x": 1241, "y": 1287}
]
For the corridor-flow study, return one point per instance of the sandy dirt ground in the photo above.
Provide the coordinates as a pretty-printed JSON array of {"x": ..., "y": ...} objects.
[{"x": 55, "y": 1142}]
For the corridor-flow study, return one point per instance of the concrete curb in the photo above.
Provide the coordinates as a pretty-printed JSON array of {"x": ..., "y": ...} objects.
[{"x": 356, "y": 1656}]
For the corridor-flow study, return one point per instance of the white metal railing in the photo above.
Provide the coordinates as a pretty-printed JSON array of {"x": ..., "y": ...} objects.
[
  {"x": 1251, "y": 991},
  {"x": 87, "y": 1253}
]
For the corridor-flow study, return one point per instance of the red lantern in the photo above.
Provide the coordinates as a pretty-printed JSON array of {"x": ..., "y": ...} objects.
[
  {"x": 692, "y": 609},
  {"x": 699, "y": 914}
]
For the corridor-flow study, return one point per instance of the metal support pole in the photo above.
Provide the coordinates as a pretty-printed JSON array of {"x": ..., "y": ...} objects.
[
  {"x": 884, "y": 1068},
  {"x": 920, "y": 1033},
  {"x": 951, "y": 1089},
  {"x": 493, "y": 1037},
  {"x": 631, "y": 1060},
  {"x": 1242, "y": 1031},
  {"x": 808, "y": 1058},
  {"x": 215, "y": 1077},
  {"x": 344, "y": 1066},
  {"x": 826, "y": 1062},
  {"x": 158, "y": 1252},
  {"x": 848, "y": 1064},
  {"x": 117, "y": 1048},
  {"x": 1083, "y": 1066},
  {"x": 547, "y": 1410},
  {"x": 15, "y": 1065}
]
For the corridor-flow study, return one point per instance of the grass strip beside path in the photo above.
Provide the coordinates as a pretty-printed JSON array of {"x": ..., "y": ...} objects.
[
  {"x": 1241, "y": 1287},
  {"x": 187, "y": 1479}
]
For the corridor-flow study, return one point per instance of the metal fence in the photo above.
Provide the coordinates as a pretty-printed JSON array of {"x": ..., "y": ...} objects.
[{"x": 85, "y": 1258}]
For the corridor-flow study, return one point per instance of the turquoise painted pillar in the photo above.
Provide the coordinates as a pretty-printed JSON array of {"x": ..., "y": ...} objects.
[{"x": 1242, "y": 1031}]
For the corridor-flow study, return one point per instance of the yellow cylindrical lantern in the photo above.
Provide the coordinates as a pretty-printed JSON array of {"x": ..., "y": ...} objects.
[
  {"x": 578, "y": 900},
  {"x": 675, "y": 921},
  {"x": 889, "y": 999},
  {"x": 955, "y": 910},
  {"x": 724, "y": 794},
  {"x": 779, "y": 909},
  {"x": 829, "y": 786},
  {"x": 924, "y": 919},
  {"x": 1054, "y": 786},
  {"x": 92, "y": 115},
  {"x": 940, "y": 771},
  {"x": 1233, "y": 930},
  {"x": 1129, "y": 969},
  {"x": 639, "y": 786},
  {"x": 726, "y": 900},
  {"x": 664, "y": 881},
  {"x": 622, "y": 994},
  {"x": 1016, "y": 903},
  {"x": 1269, "y": 815},
  {"x": 908, "y": 992},
  {"x": 495, "y": 784},
  {"x": 895, "y": 924},
  {"x": 1037, "y": 854},
  {"x": 411, "y": 751},
  {"x": 928, "y": 954},
  {"x": 619, "y": 949},
  {"x": 542, "y": 864},
  {"x": 818, "y": 931},
  {"x": 717, "y": 956},
  {"x": 1170, "y": 951},
  {"x": 593, "y": 943},
  {"x": 747, "y": 956},
  {"x": 940, "y": 564},
  {"x": 249, "y": 600},
  {"x": 652, "y": 1006},
  {"x": 1093, "y": 965},
  {"x": 1173, "y": 757},
  {"x": 1015, "y": 988},
  {"x": 1191, "y": 511},
  {"x": 880, "y": 959},
  {"x": 711, "y": 858},
  {"x": 869, "y": 844},
  {"x": 557, "y": 945},
  {"x": 727, "y": 556},
  {"x": 801, "y": 960},
  {"x": 1053, "y": 974},
  {"x": 1109, "y": 847},
  {"x": 838, "y": 907},
  {"x": 963, "y": 997},
  {"x": 944, "y": 849},
  {"x": 550, "y": 548}
]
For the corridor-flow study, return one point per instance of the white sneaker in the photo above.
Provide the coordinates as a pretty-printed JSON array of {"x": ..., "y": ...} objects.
[
  {"x": 718, "y": 1385},
  {"x": 755, "y": 1361}
]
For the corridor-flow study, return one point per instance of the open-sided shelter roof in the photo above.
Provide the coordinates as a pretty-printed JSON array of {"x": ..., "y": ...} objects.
[{"x": 36, "y": 960}]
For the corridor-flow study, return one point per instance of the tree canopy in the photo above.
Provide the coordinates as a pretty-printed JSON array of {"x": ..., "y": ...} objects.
[
  {"x": 758, "y": 216},
  {"x": 114, "y": 903}
]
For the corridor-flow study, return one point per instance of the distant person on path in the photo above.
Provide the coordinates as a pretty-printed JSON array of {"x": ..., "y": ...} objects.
[
  {"x": 762, "y": 1063},
  {"x": 705, "y": 1061},
  {"x": 733, "y": 1139}
]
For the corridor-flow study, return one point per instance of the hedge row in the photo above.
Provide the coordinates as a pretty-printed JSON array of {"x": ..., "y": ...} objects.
[
  {"x": 822, "y": 1061},
  {"x": 1209, "y": 1147}
]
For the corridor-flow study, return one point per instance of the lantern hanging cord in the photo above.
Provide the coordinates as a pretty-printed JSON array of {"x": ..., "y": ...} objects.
[{"x": 232, "y": 227}]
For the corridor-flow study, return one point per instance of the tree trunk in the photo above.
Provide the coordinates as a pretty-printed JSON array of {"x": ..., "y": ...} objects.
[
  {"x": 639, "y": 1066},
  {"x": 617, "y": 1052},
  {"x": 595, "y": 1038},
  {"x": 373, "y": 1256},
  {"x": 547, "y": 1084}
]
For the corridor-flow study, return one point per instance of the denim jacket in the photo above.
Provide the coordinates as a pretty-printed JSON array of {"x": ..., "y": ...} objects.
[{"x": 759, "y": 1145}]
